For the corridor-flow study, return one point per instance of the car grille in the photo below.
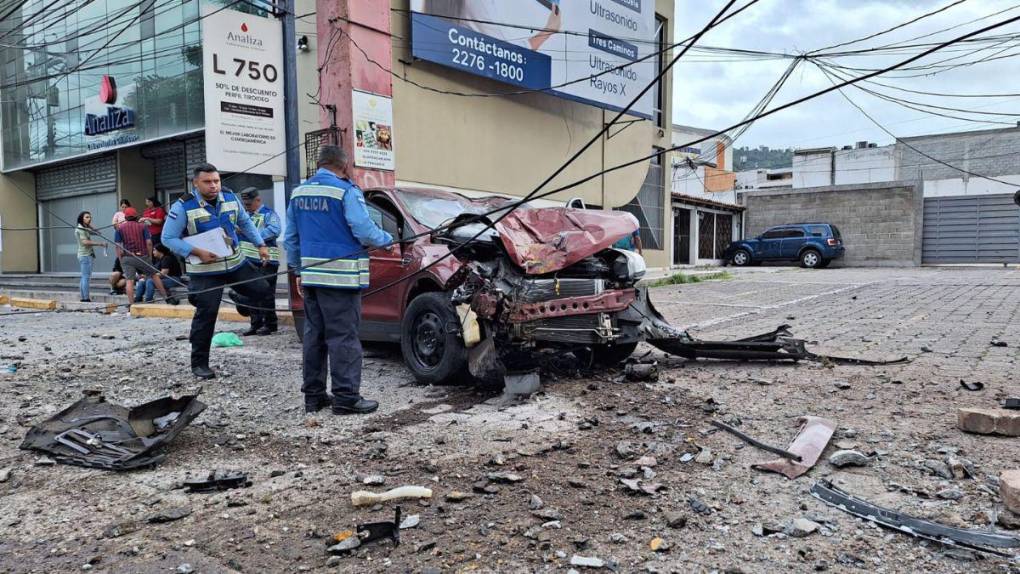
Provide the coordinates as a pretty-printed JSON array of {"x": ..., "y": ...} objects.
[{"x": 537, "y": 290}]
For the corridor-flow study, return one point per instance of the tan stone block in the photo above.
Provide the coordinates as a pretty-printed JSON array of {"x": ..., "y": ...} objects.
[
  {"x": 1009, "y": 488},
  {"x": 980, "y": 421},
  {"x": 25, "y": 303}
]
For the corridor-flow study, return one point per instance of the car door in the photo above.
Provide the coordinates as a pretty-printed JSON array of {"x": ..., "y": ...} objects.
[
  {"x": 769, "y": 244},
  {"x": 793, "y": 240},
  {"x": 380, "y": 311}
]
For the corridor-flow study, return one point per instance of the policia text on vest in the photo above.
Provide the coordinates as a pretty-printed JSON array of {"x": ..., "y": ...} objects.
[{"x": 207, "y": 207}]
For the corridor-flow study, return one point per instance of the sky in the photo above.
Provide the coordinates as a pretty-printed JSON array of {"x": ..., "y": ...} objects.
[{"x": 716, "y": 94}]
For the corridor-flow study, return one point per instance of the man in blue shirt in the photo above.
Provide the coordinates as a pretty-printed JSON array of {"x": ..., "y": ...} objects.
[
  {"x": 263, "y": 322},
  {"x": 327, "y": 225},
  {"x": 207, "y": 208}
]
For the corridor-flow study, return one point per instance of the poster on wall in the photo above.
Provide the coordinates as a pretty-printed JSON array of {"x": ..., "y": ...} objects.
[
  {"x": 373, "y": 131},
  {"x": 109, "y": 121},
  {"x": 243, "y": 73},
  {"x": 585, "y": 50}
]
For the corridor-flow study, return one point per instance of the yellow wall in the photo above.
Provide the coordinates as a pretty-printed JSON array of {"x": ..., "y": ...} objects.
[
  {"x": 509, "y": 145},
  {"x": 20, "y": 248}
]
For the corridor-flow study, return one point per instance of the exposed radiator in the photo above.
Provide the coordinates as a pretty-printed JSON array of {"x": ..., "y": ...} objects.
[{"x": 536, "y": 290}]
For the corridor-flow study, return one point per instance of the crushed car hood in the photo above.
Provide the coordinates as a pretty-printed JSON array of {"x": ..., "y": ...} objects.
[{"x": 549, "y": 239}]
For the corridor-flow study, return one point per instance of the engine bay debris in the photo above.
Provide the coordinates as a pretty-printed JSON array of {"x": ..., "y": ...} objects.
[
  {"x": 947, "y": 535},
  {"x": 96, "y": 434}
]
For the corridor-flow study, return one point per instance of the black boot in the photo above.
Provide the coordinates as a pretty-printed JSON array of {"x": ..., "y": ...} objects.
[
  {"x": 314, "y": 404},
  {"x": 361, "y": 407},
  {"x": 203, "y": 372}
]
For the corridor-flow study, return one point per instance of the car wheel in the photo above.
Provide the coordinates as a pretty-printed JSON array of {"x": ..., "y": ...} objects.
[
  {"x": 741, "y": 258},
  {"x": 432, "y": 350},
  {"x": 810, "y": 259},
  {"x": 824, "y": 263},
  {"x": 610, "y": 355}
]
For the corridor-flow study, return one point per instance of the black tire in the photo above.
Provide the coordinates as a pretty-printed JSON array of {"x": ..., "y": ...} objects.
[
  {"x": 742, "y": 258},
  {"x": 824, "y": 263},
  {"x": 810, "y": 259},
  {"x": 611, "y": 355},
  {"x": 431, "y": 344}
]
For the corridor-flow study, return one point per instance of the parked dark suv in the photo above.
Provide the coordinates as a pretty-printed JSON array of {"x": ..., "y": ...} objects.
[{"x": 813, "y": 244}]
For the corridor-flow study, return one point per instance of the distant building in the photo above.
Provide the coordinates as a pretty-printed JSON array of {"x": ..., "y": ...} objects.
[
  {"x": 706, "y": 217},
  {"x": 765, "y": 178}
]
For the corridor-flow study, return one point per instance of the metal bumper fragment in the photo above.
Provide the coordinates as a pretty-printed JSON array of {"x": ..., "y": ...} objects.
[{"x": 981, "y": 541}]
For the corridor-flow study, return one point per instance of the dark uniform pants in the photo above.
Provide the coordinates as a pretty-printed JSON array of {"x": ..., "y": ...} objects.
[
  {"x": 261, "y": 318},
  {"x": 332, "y": 324},
  {"x": 205, "y": 293}
]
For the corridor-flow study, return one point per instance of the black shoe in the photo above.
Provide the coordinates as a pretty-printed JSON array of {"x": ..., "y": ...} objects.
[
  {"x": 265, "y": 331},
  {"x": 316, "y": 404},
  {"x": 362, "y": 407},
  {"x": 253, "y": 330},
  {"x": 173, "y": 300},
  {"x": 203, "y": 372},
  {"x": 86, "y": 300}
]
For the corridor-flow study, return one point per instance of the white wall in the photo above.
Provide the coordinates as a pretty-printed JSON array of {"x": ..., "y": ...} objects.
[
  {"x": 812, "y": 169},
  {"x": 869, "y": 165},
  {"x": 970, "y": 186}
]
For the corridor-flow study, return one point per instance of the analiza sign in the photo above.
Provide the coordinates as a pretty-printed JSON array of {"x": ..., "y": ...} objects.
[{"x": 114, "y": 118}]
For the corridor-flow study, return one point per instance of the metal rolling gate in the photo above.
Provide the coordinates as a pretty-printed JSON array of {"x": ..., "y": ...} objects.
[{"x": 972, "y": 229}]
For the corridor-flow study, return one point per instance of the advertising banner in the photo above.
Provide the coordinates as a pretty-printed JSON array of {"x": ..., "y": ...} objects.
[
  {"x": 243, "y": 72},
  {"x": 555, "y": 45},
  {"x": 109, "y": 121},
  {"x": 373, "y": 131}
]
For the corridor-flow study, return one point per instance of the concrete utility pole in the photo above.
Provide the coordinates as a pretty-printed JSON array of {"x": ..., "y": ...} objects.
[
  {"x": 354, "y": 28},
  {"x": 290, "y": 96}
]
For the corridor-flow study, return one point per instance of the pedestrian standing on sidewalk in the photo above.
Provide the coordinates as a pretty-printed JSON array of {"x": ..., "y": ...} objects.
[
  {"x": 134, "y": 246},
  {"x": 117, "y": 282},
  {"x": 207, "y": 208},
  {"x": 327, "y": 223},
  {"x": 86, "y": 252},
  {"x": 263, "y": 322},
  {"x": 154, "y": 216}
]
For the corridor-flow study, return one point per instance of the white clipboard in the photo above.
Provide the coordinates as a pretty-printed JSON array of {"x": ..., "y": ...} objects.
[{"x": 215, "y": 241}]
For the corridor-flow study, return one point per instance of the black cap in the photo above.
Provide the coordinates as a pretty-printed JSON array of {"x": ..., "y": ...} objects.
[{"x": 249, "y": 194}]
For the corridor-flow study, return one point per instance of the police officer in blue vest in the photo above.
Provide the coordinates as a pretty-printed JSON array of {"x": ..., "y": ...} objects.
[
  {"x": 209, "y": 207},
  {"x": 263, "y": 321},
  {"x": 327, "y": 224}
]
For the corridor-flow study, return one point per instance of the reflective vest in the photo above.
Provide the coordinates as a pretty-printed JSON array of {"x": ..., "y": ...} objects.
[
  {"x": 260, "y": 218},
  {"x": 203, "y": 217},
  {"x": 330, "y": 254}
]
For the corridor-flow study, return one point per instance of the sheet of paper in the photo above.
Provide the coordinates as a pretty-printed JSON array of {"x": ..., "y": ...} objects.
[{"x": 214, "y": 241}]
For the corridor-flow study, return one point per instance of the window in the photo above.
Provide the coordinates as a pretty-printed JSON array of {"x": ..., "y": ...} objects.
[
  {"x": 817, "y": 231},
  {"x": 791, "y": 233},
  {"x": 660, "y": 88},
  {"x": 774, "y": 234},
  {"x": 648, "y": 205}
]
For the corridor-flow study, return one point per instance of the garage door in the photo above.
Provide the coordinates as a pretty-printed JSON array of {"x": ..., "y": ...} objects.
[{"x": 975, "y": 229}]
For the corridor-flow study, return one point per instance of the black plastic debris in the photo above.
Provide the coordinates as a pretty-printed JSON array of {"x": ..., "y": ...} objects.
[
  {"x": 1011, "y": 403},
  {"x": 950, "y": 536},
  {"x": 96, "y": 434},
  {"x": 975, "y": 386},
  {"x": 217, "y": 481},
  {"x": 348, "y": 540}
]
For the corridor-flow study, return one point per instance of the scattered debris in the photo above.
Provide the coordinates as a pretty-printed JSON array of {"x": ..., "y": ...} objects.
[
  {"x": 705, "y": 456},
  {"x": 97, "y": 434},
  {"x": 996, "y": 343},
  {"x": 814, "y": 435},
  {"x": 1011, "y": 403},
  {"x": 1009, "y": 489},
  {"x": 950, "y": 494},
  {"x": 756, "y": 443},
  {"x": 699, "y": 507},
  {"x": 989, "y": 421},
  {"x": 504, "y": 477},
  {"x": 975, "y": 386},
  {"x": 959, "y": 467},
  {"x": 983, "y": 541},
  {"x": 367, "y": 533},
  {"x": 217, "y": 481},
  {"x": 410, "y": 521},
  {"x": 518, "y": 384},
  {"x": 802, "y": 527},
  {"x": 535, "y": 503},
  {"x": 366, "y": 498},
  {"x": 657, "y": 544},
  {"x": 457, "y": 496},
  {"x": 675, "y": 519},
  {"x": 587, "y": 561},
  {"x": 170, "y": 515},
  {"x": 842, "y": 458},
  {"x": 642, "y": 372},
  {"x": 374, "y": 480}
]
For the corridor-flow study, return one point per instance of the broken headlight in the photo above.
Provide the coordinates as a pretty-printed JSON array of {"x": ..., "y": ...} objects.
[{"x": 628, "y": 266}]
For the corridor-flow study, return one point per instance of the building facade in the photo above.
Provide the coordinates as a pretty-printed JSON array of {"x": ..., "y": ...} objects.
[
  {"x": 706, "y": 216},
  {"x": 129, "y": 123},
  {"x": 103, "y": 101}
]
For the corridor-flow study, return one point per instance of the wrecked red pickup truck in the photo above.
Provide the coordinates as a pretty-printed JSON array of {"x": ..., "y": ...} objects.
[
  {"x": 542, "y": 288},
  {"x": 544, "y": 280}
]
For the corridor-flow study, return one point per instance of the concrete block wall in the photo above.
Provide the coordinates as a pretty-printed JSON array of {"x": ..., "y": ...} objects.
[
  {"x": 988, "y": 152},
  {"x": 880, "y": 223}
]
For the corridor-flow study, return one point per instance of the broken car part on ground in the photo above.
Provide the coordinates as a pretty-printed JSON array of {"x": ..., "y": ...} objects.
[
  {"x": 811, "y": 440},
  {"x": 948, "y": 535},
  {"x": 98, "y": 434}
]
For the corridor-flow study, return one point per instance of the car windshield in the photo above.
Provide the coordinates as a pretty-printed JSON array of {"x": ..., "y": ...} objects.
[{"x": 433, "y": 212}]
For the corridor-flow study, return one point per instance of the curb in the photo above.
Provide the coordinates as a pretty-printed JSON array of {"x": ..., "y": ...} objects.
[
  {"x": 163, "y": 311},
  {"x": 26, "y": 303}
]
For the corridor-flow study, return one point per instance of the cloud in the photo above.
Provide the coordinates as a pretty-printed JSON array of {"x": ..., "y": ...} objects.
[{"x": 717, "y": 92}]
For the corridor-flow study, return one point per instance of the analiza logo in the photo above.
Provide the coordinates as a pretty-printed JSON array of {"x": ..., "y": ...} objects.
[
  {"x": 244, "y": 37},
  {"x": 115, "y": 118}
]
